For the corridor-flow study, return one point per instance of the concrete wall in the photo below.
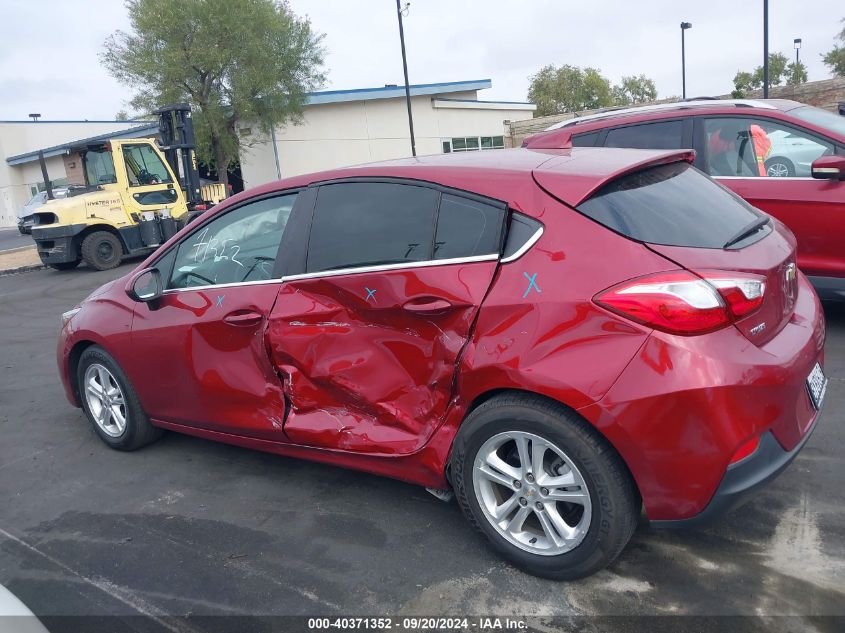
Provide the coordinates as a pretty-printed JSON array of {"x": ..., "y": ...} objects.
[
  {"x": 348, "y": 133},
  {"x": 823, "y": 94},
  {"x": 20, "y": 137}
]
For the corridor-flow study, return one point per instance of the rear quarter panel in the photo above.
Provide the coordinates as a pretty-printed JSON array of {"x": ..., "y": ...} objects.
[{"x": 549, "y": 337}]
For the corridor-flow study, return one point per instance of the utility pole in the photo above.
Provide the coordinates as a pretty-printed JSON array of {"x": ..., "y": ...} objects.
[
  {"x": 399, "y": 11},
  {"x": 765, "y": 49},
  {"x": 684, "y": 27}
]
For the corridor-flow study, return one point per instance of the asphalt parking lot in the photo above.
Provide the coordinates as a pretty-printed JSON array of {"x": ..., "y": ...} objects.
[
  {"x": 187, "y": 526},
  {"x": 12, "y": 238}
]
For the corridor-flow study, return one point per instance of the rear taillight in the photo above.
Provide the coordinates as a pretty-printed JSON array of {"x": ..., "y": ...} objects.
[
  {"x": 680, "y": 302},
  {"x": 742, "y": 292}
]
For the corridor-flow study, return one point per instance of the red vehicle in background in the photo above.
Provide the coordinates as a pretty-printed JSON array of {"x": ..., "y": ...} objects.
[
  {"x": 783, "y": 157},
  {"x": 560, "y": 336}
]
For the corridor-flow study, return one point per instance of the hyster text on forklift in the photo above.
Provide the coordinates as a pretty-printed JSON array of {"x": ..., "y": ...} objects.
[{"x": 133, "y": 200}]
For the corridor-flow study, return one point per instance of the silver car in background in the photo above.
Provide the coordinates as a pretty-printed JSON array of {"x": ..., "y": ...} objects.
[
  {"x": 26, "y": 216},
  {"x": 792, "y": 155}
]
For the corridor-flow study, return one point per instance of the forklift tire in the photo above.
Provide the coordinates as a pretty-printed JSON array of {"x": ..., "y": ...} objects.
[
  {"x": 102, "y": 250},
  {"x": 65, "y": 265}
]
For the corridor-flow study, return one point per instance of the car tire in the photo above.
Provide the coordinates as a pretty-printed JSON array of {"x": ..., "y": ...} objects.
[
  {"x": 780, "y": 167},
  {"x": 65, "y": 265},
  {"x": 98, "y": 367},
  {"x": 102, "y": 250},
  {"x": 611, "y": 504}
]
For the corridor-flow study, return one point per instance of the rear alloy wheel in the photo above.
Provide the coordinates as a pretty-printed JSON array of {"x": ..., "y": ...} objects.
[
  {"x": 540, "y": 503},
  {"x": 102, "y": 250},
  {"x": 110, "y": 403},
  {"x": 548, "y": 492}
]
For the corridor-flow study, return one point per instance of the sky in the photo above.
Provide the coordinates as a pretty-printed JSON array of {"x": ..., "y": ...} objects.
[{"x": 49, "y": 48}]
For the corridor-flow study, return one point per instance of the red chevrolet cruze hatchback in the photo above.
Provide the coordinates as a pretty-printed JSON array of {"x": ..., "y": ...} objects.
[{"x": 562, "y": 337}]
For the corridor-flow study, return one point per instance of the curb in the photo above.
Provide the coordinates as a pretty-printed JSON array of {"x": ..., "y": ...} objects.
[{"x": 22, "y": 269}]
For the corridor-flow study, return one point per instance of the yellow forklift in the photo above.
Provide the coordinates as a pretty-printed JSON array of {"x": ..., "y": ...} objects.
[{"x": 133, "y": 199}]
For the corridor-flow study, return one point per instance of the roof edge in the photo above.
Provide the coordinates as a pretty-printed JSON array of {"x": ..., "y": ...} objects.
[
  {"x": 392, "y": 92},
  {"x": 57, "y": 150}
]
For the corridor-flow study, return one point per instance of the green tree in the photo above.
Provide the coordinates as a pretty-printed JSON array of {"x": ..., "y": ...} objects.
[
  {"x": 568, "y": 89},
  {"x": 634, "y": 89},
  {"x": 121, "y": 116},
  {"x": 796, "y": 73},
  {"x": 745, "y": 81},
  {"x": 835, "y": 58},
  {"x": 233, "y": 60}
]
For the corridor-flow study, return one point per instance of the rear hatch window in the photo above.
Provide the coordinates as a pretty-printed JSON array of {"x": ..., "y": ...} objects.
[
  {"x": 702, "y": 227},
  {"x": 675, "y": 205}
]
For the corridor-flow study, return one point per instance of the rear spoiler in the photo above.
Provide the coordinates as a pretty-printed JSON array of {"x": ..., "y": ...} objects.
[
  {"x": 550, "y": 139},
  {"x": 572, "y": 178}
]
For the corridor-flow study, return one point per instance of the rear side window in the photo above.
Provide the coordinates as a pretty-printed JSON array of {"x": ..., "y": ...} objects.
[
  {"x": 672, "y": 204},
  {"x": 662, "y": 135},
  {"x": 371, "y": 224},
  {"x": 585, "y": 140},
  {"x": 467, "y": 227},
  {"x": 520, "y": 232}
]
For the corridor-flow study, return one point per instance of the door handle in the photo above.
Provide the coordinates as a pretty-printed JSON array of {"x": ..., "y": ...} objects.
[
  {"x": 245, "y": 318},
  {"x": 431, "y": 306}
]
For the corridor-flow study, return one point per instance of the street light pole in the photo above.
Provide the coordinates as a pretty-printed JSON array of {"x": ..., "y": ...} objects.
[
  {"x": 684, "y": 27},
  {"x": 797, "y": 43},
  {"x": 765, "y": 49},
  {"x": 405, "y": 69}
]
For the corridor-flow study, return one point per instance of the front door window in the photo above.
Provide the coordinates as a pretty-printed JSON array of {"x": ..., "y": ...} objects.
[
  {"x": 239, "y": 246},
  {"x": 760, "y": 148},
  {"x": 144, "y": 166}
]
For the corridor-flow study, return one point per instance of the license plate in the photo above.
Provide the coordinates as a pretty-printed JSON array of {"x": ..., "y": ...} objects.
[{"x": 816, "y": 385}]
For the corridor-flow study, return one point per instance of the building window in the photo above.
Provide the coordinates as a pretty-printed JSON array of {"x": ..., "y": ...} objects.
[{"x": 472, "y": 143}]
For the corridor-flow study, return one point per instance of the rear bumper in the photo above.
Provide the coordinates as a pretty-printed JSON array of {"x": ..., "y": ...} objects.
[
  {"x": 742, "y": 479},
  {"x": 684, "y": 405}
]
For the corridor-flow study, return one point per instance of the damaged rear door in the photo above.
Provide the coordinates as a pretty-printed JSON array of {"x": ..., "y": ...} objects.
[{"x": 368, "y": 338}]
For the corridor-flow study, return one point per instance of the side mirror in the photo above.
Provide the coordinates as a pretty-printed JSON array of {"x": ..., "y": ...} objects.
[
  {"x": 145, "y": 285},
  {"x": 829, "y": 168}
]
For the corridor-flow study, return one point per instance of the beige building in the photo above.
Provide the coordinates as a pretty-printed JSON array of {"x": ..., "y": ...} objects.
[
  {"x": 20, "y": 170},
  {"x": 338, "y": 128},
  {"x": 347, "y": 127}
]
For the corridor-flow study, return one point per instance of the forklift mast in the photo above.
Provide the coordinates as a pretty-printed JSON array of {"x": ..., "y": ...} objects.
[{"x": 176, "y": 128}]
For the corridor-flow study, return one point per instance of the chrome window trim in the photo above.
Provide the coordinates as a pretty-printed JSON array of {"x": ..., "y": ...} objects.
[
  {"x": 524, "y": 248},
  {"x": 258, "y": 282},
  {"x": 348, "y": 271},
  {"x": 388, "y": 267}
]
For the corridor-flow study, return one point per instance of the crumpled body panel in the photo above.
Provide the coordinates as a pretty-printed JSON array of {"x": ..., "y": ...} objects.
[
  {"x": 364, "y": 370},
  {"x": 184, "y": 340}
]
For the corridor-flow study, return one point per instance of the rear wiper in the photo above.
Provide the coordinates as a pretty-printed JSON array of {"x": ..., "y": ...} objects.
[{"x": 747, "y": 230}]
